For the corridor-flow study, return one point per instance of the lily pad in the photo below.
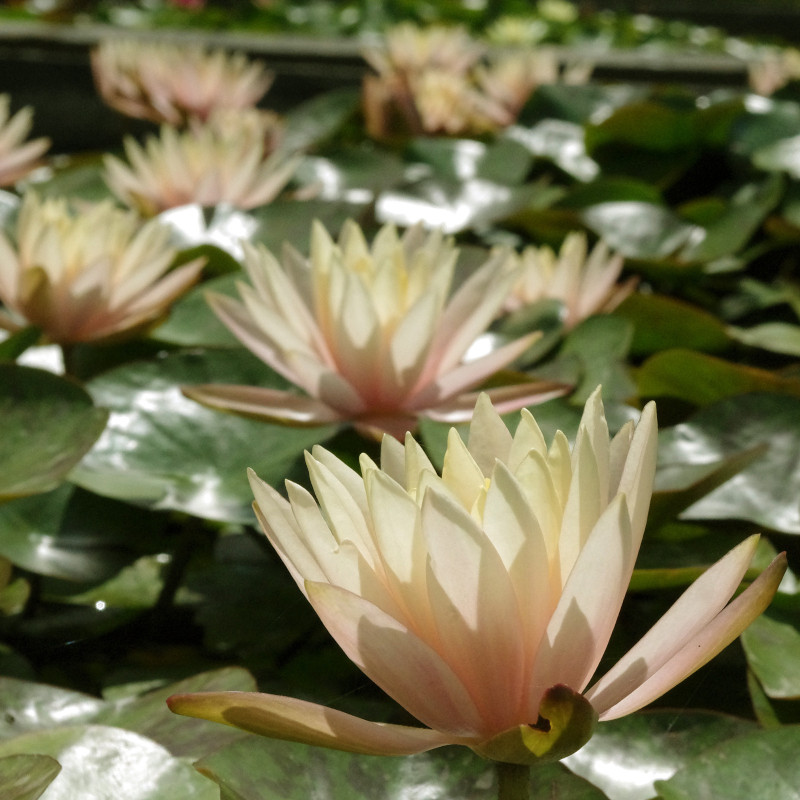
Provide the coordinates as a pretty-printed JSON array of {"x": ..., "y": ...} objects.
[
  {"x": 99, "y": 762},
  {"x": 772, "y": 647},
  {"x": 626, "y": 756},
  {"x": 264, "y": 769},
  {"x": 767, "y": 491},
  {"x": 47, "y": 424},
  {"x": 164, "y": 451},
  {"x": 761, "y": 764}
]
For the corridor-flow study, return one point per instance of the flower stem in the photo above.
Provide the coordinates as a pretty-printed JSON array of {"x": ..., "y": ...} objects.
[{"x": 513, "y": 781}]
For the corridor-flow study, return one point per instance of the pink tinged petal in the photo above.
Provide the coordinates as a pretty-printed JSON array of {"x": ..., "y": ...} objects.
[
  {"x": 489, "y": 438},
  {"x": 505, "y": 399},
  {"x": 460, "y": 473},
  {"x": 300, "y": 721},
  {"x": 470, "y": 375},
  {"x": 263, "y": 403},
  {"x": 639, "y": 471},
  {"x": 714, "y": 638},
  {"x": 472, "y": 308},
  {"x": 234, "y": 315},
  {"x": 687, "y": 627},
  {"x": 509, "y": 523},
  {"x": 153, "y": 301},
  {"x": 584, "y": 618},
  {"x": 397, "y": 660},
  {"x": 475, "y": 608},
  {"x": 319, "y": 380},
  {"x": 410, "y": 344}
]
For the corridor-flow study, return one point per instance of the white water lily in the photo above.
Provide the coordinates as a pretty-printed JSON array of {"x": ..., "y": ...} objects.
[
  {"x": 370, "y": 333},
  {"x": 585, "y": 282},
  {"x": 226, "y": 159},
  {"x": 88, "y": 274},
  {"x": 172, "y": 82},
  {"x": 17, "y": 157},
  {"x": 482, "y": 600}
]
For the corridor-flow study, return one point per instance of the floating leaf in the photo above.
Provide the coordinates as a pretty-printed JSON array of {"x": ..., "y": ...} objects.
[
  {"x": 47, "y": 423},
  {"x": 264, "y": 769},
  {"x": 761, "y": 764},
  {"x": 315, "y": 120},
  {"x": 662, "y": 322},
  {"x": 779, "y": 337},
  {"x": 767, "y": 491},
  {"x": 772, "y": 647},
  {"x": 626, "y": 756},
  {"x": 702, "y": 379},
  {"x": 100, "y": 762},
  {"x": 164, "y": 451}
]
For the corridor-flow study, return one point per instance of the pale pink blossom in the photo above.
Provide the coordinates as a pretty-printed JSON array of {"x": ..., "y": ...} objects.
[
  {"x": 438, "y": 80},
  {"x": 226, "y": 159},
  {"x": 371, "y": 333},
  {"x": 482, "y": 600},
  {"x": 17, "y": 157},
  {"x": 173, "y": 82},
  {"x": 87, "y": 274},
  {"x": 585, "y": 282}
]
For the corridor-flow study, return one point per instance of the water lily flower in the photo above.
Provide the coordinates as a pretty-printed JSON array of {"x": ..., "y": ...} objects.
[
  {"x": 483, "y": 599},
  {"x": 585, "y": 282},
  {"x": 87, "y": 275},
  {"x": 227, "y": 159},
  {"x": 172, "y": 83},
  {"x": 370, "y": 333},
  {"x": 438, "y": 80},
  {"x": 17, "y": 157}
]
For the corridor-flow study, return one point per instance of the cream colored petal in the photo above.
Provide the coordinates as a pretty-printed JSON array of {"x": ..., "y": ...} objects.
[
  {"x": 693, "y": 610},
  {"x": 639, "y": 471},
  {"x": 410, "y": 344},
  {"x": 471, "y": 374},
  {"x": 398, "y": 661},
  {"x": 587, "y": 611},
  {"x": 344, "y": 513},
  {"x": 263, "y": 403},
  {"x": 475, "y": 608},
  {"x": 300, "y": 721},
  {"x": 528, "y": 436},
  {"x": 712, "y": 639},
  {"x": 489, "y": 438},
  {"x": 460, "y": 472}
]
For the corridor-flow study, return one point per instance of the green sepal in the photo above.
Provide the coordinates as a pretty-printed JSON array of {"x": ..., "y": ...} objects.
[{"x": 566, "y": 722}]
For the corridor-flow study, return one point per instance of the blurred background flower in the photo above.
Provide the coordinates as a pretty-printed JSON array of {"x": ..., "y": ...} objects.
[
  {"x": 89, "y": 273},
  {"x": 226, "y": 159},
  {"x": 170, "y": 82},
  {"x": 17, "y": 157},
  {"x": 585, "y": 282},
  {"x": 371, "y": 333}
]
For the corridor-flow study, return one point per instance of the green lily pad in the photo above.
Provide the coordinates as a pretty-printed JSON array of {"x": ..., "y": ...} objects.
[
  {"x": 264, "y": 769},
  {"x": 560, "y": 142},
  {"x": 767, "y": 491},
  {"x": 662, "y": 322},
  {"x": 25, "y": 777},
  {"x": 315, "y": 120},
  {"x": 73, "y": 535},
  {"x": 47, "y": 424},
  {"x": 702, "y": 379},
  {"x": 99, "y": 762},
  {"x": 772, "y": 647},
  {"x": 192, "y": 323},
  {"x": 778, "y": 337},
  {"x": 164, "y": 451},
  {"x": 761, "y": 764},
  {"x": 626, "y": 756}
]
